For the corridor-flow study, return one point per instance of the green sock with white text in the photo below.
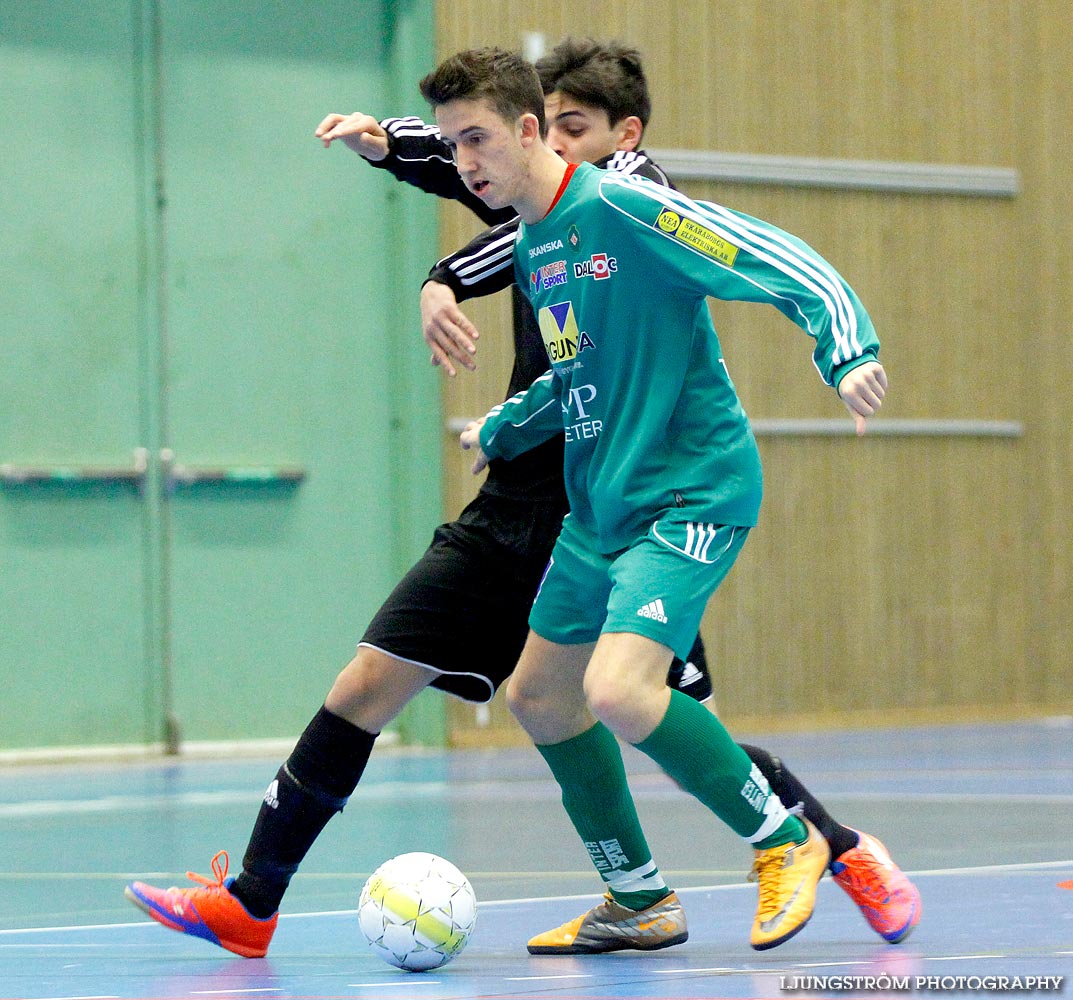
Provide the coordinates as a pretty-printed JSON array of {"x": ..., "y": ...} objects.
[
  {"x": 695, "y": 749},
  {"x": 592, "y": 777}
]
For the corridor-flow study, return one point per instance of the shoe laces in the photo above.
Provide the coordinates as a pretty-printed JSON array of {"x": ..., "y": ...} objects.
[
  {"x": 867, "y": 874},
  {"x": 611, "y": 909},
  {"x": 772, "y": 859},
  {"x": 219, "y": 869},
  {"x": 766, "y": 867}
]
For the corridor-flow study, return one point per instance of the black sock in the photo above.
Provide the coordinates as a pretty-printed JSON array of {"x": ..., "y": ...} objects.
[
  {"x": 313, "y": 784},
  {"x": 791, "y": 793},
  {"x": 699, "y": 688},
  {"x": 697, "y": 655}
]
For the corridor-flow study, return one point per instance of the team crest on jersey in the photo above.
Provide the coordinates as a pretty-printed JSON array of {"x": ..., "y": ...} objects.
[
  {"x": 598, "y": 267},
  {"x": 699, "y": 237},
  {"x": 548, "y": 275},
  {"x": 573, "y": 237},
  {"x": 558, "y": 328}
]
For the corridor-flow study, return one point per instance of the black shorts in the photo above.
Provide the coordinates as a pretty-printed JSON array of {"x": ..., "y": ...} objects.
[{"x": 463, "y": 609}]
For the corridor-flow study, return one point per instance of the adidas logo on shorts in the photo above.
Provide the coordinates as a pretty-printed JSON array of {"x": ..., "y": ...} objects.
[
  {"x": 654, "y": 610},
  {"x": 690, "y": 675}
]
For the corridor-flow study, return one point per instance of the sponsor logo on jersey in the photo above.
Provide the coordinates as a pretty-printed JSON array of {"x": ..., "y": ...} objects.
[
  {"x": 699, "y": 237},
  {"x": 544, "y": 248},
  {"x": 668, "y": 221},
  {"x": 548, "y": 275},
  {"x": 579, "y": 401},
  {"x": 578, "y": 398},
  {"x": 598, "y": 267},
  {"x": 558, "y": 328}
]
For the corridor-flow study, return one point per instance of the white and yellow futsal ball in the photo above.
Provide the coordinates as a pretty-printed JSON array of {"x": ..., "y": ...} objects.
[{"x": 417, "y": 911}]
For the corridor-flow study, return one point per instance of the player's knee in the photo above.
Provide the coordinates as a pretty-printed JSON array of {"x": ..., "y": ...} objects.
[
  {"x": 354, "y": 682},
  {"x": 630, "y": 704},
  {"x": 523, "y": 700},
  {"x": 373, "y": 688},
  {"x": 606, "y": 697},
  {"x": 547, "y": 716}
]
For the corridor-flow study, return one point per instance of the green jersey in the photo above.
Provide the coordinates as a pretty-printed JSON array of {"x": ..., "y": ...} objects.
[{"x": 618, "y": 273}]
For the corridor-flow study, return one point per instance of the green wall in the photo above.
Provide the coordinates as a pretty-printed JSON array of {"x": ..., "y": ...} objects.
[{"x": 186, "y": 272}]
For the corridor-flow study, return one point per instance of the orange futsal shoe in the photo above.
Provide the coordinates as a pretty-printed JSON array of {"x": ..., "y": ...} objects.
[
  {"x": 889, "y": 901},
  {"x": 208, "y": 912}
]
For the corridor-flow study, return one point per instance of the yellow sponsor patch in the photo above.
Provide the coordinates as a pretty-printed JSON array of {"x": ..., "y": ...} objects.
[
  {"x": 698, "y": 237},
  {"x": 668, "y": 221},
  {"x": 559, "y": 330}
]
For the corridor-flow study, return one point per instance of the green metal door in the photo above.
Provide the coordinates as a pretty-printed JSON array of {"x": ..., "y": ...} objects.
[
  {"x": 73, "y": 639},
  {"x": 213, "y": 392}
]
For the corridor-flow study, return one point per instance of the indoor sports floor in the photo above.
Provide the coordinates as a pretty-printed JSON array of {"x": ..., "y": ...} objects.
[{"x": 981, "y": 816}]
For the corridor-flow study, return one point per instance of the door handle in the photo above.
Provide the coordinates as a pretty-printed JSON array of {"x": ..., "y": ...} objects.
[
  {"x": 177, "y": 474},
  {"x": 14, "y": 475}
]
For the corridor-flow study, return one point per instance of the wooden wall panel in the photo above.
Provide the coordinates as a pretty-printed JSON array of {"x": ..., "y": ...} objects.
[
  {"x": 889, "y": 578},
  {"x": 1044, "y": 333}
]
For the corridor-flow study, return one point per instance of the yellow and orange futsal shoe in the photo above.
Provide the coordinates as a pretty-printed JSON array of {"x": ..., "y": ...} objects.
[
  {"x": 889, "y": 901},
  {"x": 209, "y": 911},
  {"x": 613, "y": 927},
  {"x": 788, "y": 876}
]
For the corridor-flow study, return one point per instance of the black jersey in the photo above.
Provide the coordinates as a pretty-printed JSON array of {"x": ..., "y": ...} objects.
[{"x": 418, "y": 155}]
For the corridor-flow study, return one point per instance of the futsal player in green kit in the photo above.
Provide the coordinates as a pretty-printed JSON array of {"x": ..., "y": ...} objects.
[
  {"x": 662, "y": 474},
  {"x": 596, "y": 105}
]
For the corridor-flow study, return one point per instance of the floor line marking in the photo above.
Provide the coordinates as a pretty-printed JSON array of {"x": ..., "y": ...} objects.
[
  {"x": 460, "y": 793},
  {"x": 228, "y": 992},
  {"x": 675, "y": 972},
  {"x": 736, "y": 873},
  {"x": 492, "y": 903},
  {"x": 398, "y": 985},
  {"x": 960, "y": 958}
]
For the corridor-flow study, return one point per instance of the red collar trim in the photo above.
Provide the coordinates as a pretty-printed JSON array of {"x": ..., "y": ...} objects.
[{"x": 570, "y": 168}]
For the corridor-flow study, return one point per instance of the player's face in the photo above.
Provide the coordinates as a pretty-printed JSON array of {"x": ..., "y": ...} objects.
[
  {"x": 580, "y": 133},
  {"x": 488, "y": 150}
]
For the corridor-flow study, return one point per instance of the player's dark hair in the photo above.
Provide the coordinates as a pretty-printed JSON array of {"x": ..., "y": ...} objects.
[
  {"x": 605, "y": 75},
  {"x": 504, "y": 78}
]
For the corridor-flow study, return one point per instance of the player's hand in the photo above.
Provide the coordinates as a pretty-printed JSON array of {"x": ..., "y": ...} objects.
[
  {"x": 471, "y": 438},
  {"x": 446, "y": 329},
  {"x": 862, "y": 390},
  {"x": 360, "y": 132}
]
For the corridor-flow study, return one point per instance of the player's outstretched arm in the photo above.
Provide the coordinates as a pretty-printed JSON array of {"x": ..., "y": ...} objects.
[
  {"x": 862, "y": 390},
  {"x": 412, "y": 151},
  {"x": 358, "y": 131},
  {"x": 447, "y": 331},
  {"x": 483, "y": 266}
]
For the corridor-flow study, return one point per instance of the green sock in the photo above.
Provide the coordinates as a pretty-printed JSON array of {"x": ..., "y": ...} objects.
[
  {"x": 694, "y": 748},
  {"x": 597, "y": 798}
]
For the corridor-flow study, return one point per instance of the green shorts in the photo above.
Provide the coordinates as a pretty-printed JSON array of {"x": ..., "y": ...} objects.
[{"x": 658, "y": 587}]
